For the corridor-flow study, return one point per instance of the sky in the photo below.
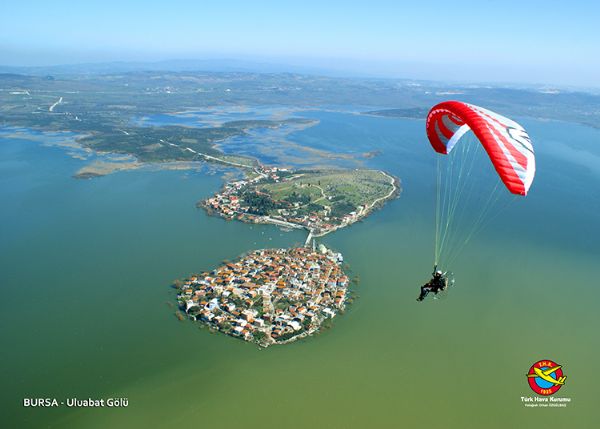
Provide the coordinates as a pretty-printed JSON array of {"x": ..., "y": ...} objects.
[{"x": 529, "y": 41}]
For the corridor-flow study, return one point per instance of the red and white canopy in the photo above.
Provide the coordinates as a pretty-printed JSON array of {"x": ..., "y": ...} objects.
[{"x": 506, "y": 142}]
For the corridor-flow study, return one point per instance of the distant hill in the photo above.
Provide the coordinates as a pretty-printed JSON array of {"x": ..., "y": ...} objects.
[{"x": 182, "y": 65}]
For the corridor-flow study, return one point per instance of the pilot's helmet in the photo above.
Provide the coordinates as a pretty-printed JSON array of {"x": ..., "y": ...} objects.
[{"x": 438, "y": 273}]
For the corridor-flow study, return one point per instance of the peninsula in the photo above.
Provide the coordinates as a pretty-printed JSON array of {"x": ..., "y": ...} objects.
[{"x": 321, "y": 201}]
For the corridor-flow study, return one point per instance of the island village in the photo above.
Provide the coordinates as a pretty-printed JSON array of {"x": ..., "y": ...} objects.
[
  {"x": 275, "y": 296},
  {"x": 269, "y": 296}
]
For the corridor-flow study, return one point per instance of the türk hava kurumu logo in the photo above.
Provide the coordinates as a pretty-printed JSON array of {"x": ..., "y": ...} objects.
[{"x": 545, "y": 377}]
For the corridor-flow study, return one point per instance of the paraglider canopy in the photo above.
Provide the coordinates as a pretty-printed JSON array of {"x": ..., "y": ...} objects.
[{"x": 506, "y": 142}]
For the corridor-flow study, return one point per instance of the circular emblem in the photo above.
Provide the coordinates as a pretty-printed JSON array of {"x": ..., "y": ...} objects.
[{"x": 545, "y": 377}]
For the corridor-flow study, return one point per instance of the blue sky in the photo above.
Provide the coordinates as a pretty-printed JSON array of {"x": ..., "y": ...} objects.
[{"x": 512, "y": 41}]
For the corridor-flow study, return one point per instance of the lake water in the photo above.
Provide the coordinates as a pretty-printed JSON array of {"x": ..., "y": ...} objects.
[{"x": 86, "y": 308}]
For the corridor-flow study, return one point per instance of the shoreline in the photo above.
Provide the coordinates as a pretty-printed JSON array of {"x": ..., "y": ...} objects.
[{"x": 378, "y": 203}]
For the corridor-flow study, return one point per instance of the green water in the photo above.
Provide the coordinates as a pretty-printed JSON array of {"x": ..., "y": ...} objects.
[{"x": 85, "y": 268}]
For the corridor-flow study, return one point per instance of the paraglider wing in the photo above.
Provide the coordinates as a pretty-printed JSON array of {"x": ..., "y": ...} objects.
[{"x": 505, "y": 141}]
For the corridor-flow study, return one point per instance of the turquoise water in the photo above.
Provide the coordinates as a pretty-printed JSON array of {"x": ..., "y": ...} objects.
[{"x": 85, "y": 268}]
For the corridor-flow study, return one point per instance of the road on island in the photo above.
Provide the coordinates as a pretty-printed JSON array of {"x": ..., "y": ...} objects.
[
  {"x": 51, "y": 109},
  {"x": 393, "y": 183},
  {"x": 214, "y": 158}
]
